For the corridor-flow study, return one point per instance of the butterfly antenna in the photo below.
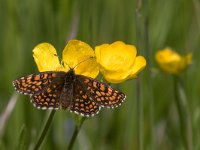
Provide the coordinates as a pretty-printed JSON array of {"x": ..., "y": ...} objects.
[
  {"x": 62, "y": 62},
  {"x": 83, "y": 61}
]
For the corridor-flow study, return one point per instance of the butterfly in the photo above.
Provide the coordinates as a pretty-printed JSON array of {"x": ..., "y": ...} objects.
[{"x": 66, "y": 90}]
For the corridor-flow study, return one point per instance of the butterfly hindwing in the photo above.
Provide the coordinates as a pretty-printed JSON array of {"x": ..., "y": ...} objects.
[
  {"x": 83, "y": 103},
  {"x": 49, "y": 97},
  {"x": 103, "y": 94}
]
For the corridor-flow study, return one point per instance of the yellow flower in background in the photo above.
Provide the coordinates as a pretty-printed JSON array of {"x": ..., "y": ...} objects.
[
  {"x": 118, "y": 61},
  {"x": 171, "y": 62},
  {"x": 76, "y": 54}
]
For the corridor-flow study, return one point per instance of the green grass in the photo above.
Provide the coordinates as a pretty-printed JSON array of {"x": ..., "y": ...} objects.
[{"x": 24, "y": 24}]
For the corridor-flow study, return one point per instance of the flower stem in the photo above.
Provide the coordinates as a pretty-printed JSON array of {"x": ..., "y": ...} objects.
[
  {"x": 184, "y": 113},
  {"x": 149, "y": 73},
  {"x": 196, "y": 5},
  {"x": 140, "y": 116},
  {"x": 45, "y": 129},
  {"x": 139, "y": 99},
  {"x": 5, "y": 115},
  {"x": 75, "y": 133}
]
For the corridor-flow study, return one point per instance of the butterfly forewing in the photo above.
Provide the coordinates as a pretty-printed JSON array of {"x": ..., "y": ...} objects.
[
  {"x": 44, "y": 88},
  {"x": 35, "y": 82},
  {"x": 83, "y": 103},
  {"x": 102, "y": 94}
]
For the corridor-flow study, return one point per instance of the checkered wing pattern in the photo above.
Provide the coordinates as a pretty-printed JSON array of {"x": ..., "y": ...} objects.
[
  {"x": 44, "y": 88},
  {"x": 80, "y": 94},
  {"x": 83, "y": 103},
  {"x": 102, "y": 94}
]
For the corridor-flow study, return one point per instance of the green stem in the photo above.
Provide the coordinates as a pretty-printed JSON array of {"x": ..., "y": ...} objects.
[
  {"x": 75, "y": 133},
  {"x": 45, "y": 129},
  {"x": 139, "y": 100},
  {"x": 184, "y": 113},
  {"x": 140, "y": 116},
  {"x": 196, "y": 5},
  {"x": 149, "y": 73},
  {"x": 5, "y": 115}
]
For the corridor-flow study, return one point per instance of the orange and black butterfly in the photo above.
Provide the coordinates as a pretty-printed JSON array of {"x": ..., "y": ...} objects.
[{"x": 67, "y": 90}]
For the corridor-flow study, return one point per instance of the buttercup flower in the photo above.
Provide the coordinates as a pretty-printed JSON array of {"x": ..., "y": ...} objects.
[
  {"x": 171, "y": 62},
  {"x": 118, "y": 61},
  {"x": 76, "y": 54}
]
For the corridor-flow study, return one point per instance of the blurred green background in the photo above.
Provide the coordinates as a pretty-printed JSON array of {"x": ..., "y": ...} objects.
[{"x": 26, "y": 23}]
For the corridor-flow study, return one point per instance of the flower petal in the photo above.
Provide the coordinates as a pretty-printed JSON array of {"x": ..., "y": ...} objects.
[
  {"x": 122, "y": 75},
  {"x": 46, "y": 58},
  {"x": 185, "y": 61},
  {"x": 88, "y": 68},
  {"x": 98, "y": 51},
  {"x": 118, "y": 61},
  {"x": 115, "y": 76},
  {"x": 188, "y": 58},
  {"x": 115, "y": 56},
  {"x": 139, "y": 65},
  {"x": 171, "y": 62},
  {"x": 80, "y": 56},
  {"x": 167, "y": 56}
]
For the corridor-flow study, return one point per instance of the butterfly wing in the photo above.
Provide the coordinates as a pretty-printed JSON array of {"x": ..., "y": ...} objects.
[
  {"x": 44, "y": 88},
  {"x": 103, "y": 94},
  {"x": 33, "y": 83},
  {"x": 83, "y": 103},
  {"x": 84, "y": 96}
]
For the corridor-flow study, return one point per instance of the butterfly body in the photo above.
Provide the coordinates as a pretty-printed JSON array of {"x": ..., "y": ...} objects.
[
  {"x": 66, "y": 97},
  {"x": 67, "y": 90}
]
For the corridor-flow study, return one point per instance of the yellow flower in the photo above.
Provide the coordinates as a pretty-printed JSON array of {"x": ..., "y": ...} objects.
[
  {"x": 76, "y": 54},
  {"x": 118, "y": 61},
  {"x": 171, "y": 62}
]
